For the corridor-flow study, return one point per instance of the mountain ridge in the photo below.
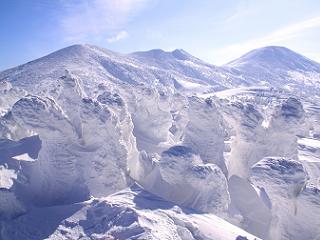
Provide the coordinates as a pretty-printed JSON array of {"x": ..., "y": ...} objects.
[
  {"x": 157, "y": 51},
  {"x": 173, "y": 68}
]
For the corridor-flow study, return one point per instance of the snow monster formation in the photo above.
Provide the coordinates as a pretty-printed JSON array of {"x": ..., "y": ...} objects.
[{"x": 142, "y": 146}]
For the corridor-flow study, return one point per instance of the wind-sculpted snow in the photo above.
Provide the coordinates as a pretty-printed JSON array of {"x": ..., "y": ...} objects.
[
  {"x": 251, "y": 208},
  {"x": 151, "y": 118},
  {"x": 181, "y": 176},
  {"x": 12, "y": 153},
  {"x": 8, "y": 96},
  {"x": 285, "y": 182},
  {"x": 256, "y": 137},
  {"x": 129, "y": 214},
  {"x": 245, "y": 122},
  {"x": 205, "y": 132},
  {"x": 83, "y": 152},
  {"x": 285, "y": 124},
  {"x": 309, "y": 156},
  {"x": 80, "y": 125}
]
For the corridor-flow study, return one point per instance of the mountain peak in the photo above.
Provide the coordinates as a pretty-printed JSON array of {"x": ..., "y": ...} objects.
[
  {"x": 181, "y": 54},
  {"x": 178, "y": 54},
  {"x": 75, "y": 48},
  {"x": 82, "y": 49},
  {"x": 265, "y": 53},
  {"x": 270, "y": 52},
  {"x": 275, "y": 57},
  {"x": 272, "y": 48}
]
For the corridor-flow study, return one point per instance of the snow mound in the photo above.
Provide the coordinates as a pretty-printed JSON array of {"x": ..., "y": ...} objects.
[
  {"x": 251, "y": 205},
  {"x": 205, "y": 131},
  {"x": 182, "y": 177},
  {"x": 285, "y": 183},
  {"x": 129, "y": 214},
  {"x": 258, "y": 134},
  {"x": 85, "y": 147},
  {"x": 287, "y": 175}
]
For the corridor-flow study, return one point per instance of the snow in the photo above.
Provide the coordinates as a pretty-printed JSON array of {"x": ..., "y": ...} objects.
[
  {"x": 24, "y": 157},
  {"x": 309, "y": 155},
  {"x": 285, "y": 182},
  {"x": 310, "y": 142},
  {"x": 132, "y": 214},
  {"x": 246, "y": 201},
  {"x": 160, "y": 145},
  {"x": 279, "y": 66},
  {"x": 182, "y": 177},
  {"x": 7, "y": 177}
]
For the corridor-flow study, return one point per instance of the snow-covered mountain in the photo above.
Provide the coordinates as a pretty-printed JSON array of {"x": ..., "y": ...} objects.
[
  {"x": 276, "y": 67},
  {"x": 280, "y": 67},
  {"x": 160, "y": 145}
]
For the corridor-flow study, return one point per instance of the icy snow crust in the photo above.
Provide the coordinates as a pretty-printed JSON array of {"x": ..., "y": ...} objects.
[{"x": 159, "y": 145}]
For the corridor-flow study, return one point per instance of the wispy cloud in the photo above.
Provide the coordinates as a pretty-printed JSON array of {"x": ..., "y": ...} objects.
[
  {"x": 277, "y": 37},
  {"x": 118, "y": 37},
  {"x": 85, "y": 19},
  {"x": 242, "y": 9}
]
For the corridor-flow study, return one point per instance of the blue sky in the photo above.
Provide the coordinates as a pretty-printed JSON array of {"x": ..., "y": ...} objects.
[{"x": 215, "y": 31}]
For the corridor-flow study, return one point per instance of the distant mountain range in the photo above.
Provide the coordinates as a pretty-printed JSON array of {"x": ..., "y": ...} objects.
[{"x": 272, "y": 66}]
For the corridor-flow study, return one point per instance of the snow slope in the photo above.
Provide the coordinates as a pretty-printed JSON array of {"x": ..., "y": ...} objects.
[
  {"x": 279, "y": 67},
  {"x": 129, "y": 214}
]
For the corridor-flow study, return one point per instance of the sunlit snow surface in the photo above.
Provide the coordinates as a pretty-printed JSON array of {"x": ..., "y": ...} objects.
[
  {"x": 160, "y": 145},
  {"x": 129, "y": 214}
]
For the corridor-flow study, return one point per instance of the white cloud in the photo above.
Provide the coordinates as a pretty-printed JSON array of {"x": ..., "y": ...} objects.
[
  {"x": 97, "y": 18},
  {"x": 279, "y": 36},
  {"x": 119, "y": 36}
]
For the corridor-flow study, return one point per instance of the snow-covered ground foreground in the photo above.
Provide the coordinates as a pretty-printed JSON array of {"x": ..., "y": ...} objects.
[
  {"x": 160, "y": 145},
  {"x": 129, "y": 214}
]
